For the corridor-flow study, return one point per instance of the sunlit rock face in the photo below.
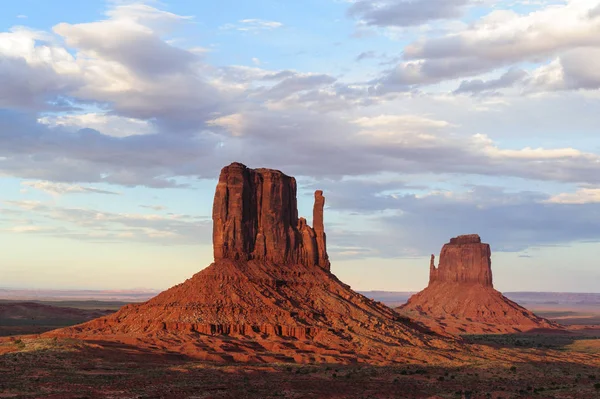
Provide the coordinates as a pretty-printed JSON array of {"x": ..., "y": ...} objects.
[
  {"x": 255, "y": 216},
  {"x": 464, "y": 260}
]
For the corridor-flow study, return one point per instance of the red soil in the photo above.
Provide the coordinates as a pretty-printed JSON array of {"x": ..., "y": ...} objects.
[{"x": 257, "y": 311}]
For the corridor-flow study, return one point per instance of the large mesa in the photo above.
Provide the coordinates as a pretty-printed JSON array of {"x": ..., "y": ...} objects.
[{"x": 255, "y": 216}]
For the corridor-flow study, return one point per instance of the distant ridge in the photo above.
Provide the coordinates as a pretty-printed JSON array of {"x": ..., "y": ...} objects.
[{"x": 132, "y": 295}]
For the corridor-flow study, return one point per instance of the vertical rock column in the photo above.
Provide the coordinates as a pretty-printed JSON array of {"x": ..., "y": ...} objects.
[
  {"x": 432, "y": 270},
  {"x": 319, "y": 228}
]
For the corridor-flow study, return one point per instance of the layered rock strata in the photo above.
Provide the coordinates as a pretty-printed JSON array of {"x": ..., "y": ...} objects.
[{"x": 461, "y": 298}]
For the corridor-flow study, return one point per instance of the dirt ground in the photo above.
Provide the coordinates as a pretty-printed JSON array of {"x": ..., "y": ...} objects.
[{"x": 33, "y": 367}]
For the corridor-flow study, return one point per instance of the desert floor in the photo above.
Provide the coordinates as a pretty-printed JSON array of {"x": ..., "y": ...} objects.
[{"x": 36, "y": 367}]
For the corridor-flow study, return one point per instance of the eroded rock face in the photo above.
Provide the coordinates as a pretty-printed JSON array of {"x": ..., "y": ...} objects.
[
  {"x": 466, "y": 260},
  {"x": 255, "y": 216},
  {"x": 460, "y": 297}
]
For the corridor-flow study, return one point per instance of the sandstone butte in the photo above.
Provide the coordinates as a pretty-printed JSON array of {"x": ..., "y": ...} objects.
[
  {"x": 461, "y": 298},
  {"x": 269, "y": 296}
]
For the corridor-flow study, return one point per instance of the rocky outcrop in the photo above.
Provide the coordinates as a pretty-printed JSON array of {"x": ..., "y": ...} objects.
[
  {"x": 255, "y": 216},
  {"x": 464, "y": 260},
  {"x": 461, "y": 298},
  {"x": 269, "y": 296}
]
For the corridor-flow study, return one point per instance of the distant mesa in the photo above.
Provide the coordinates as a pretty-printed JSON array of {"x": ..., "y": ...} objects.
[
  {"x": 461, "y": 298},
  {"x": 269, "y": 296},
  {"x": 464, "y": 260}
]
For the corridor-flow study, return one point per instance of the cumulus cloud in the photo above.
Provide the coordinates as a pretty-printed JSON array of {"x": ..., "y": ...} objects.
[
  {"x": 35, "y": 73},
  {"x": 575, "y": 69},
  {"x": 366, "y": 55},
  {"x": 406, "y": 224},
  {"x": 505, "y": 35},
  {"x": 581, "y": 196},
  {"x": 165, "y": 113},
  {"x": 36, "y": 151},
  {"x": 114, "y": 101},
  {"x": 110, "y": 125},
  {"x": 253, "y": 25},
  {"x": 62, "y": 188},
  {"x": 499, "y": 39},
  {"x": 154, "y": 207},
  {"x": 296, "y": 84},
  {"x": 478, "y": 86},
  {"x": 405, "y": 12},
  {"x": 102, "y": 226}
]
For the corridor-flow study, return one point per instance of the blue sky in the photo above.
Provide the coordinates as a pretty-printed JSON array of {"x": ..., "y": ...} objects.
[{"x": 420, "y": 120}]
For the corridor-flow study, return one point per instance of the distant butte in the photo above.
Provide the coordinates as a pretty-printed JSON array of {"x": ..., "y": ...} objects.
[
  {"x": 269, "y": 296},
  {"x": 461, "y": 298},
  {"x": 464, "y": 260}
]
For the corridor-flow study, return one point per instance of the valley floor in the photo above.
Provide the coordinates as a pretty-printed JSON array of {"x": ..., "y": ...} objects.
[{"x": 34, "y": 367}]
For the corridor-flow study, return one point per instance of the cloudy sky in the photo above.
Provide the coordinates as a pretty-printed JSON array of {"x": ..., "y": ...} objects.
[{"x": 421, "y": 120}]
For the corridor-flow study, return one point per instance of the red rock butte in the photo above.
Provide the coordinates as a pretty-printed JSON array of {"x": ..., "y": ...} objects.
[
  {"x": 255, "y": 216},
  {"x": 269, "y": 296},
  {"x": 461, "y": 298},
  {"x": 464, "y": 260}
]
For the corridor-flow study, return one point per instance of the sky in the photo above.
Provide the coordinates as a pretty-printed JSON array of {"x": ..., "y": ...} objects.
[{"x": 421, "y": 120}]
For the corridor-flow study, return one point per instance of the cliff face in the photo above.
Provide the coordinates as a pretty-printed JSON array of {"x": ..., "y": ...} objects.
[
  {"x": 465, "y": 260},
  {"x": 255, "y": 216}
]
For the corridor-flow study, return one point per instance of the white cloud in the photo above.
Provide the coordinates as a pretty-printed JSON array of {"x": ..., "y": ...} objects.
[
  {"x": 111, "y": 125},
  {"x": 253, "y": 25},
  {"x": 102, "y": 226},
  {"x": 154, "y": 207},
  {"x": 63, "y": 188},
  {"x": 581, "y": 196},
  {"x": 34, "y": 70},
  {"x": 28, "y": 229},
  {"x": 406, "y": 12},
  {"x": 499, "y": 39},
  {"x": 233, "y": 123},
  {"x": 166, "y": 114},
  {"x": 401, "y": 122},
  {"x": 573, "y": 70}
]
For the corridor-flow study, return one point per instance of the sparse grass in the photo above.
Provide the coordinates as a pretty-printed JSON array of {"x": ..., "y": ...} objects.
[{"x": 591, "y": 346}]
